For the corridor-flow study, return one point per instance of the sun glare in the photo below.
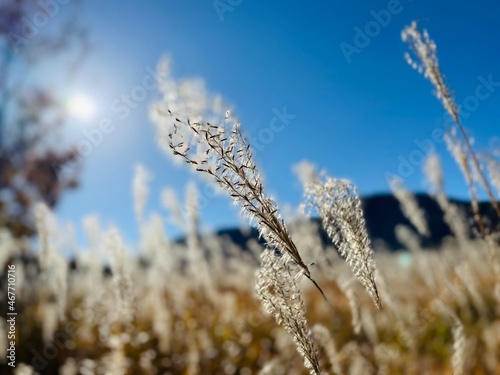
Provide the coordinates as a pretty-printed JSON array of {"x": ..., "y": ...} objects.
[{"x": 81, "y": 107}]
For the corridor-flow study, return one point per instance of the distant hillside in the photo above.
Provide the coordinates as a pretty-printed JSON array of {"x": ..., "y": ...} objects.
[{"x": 383, "y": 214}]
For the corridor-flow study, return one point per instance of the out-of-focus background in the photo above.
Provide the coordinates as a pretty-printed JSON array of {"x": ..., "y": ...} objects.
[
  {"x": 115, "y": 258},
  {"x": 333, "y": 75}
]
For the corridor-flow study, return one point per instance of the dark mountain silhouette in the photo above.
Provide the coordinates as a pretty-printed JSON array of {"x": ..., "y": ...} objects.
[{"x": 383, "y": 214}]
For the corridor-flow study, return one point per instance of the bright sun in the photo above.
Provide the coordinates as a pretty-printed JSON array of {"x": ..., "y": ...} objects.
[{"x": 81, "y": 107}]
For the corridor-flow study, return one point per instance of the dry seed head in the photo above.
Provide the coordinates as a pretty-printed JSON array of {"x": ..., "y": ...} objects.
[
  {"x": 494, "y": 173},
  {"x": 434, "y": 172},
  {"x": 306, "y": 172},
  {"x": 227, "y": 159},
  {"x": 424, "y": 50},
  {"x": 426, "y": 62},
  {"x": 276, "y": 285},
  {"x": 140, "y": 190},
  {"x": 457, "y": 150},
  {"x": 409, "y": 206},
  {"x": 348, "y": 288},
  {"x": 170, "y": 202},
  {"x": 122, "y": 278},
  {"x": 325, "y": 340},
  {"x": 339, "y": 206},
  {"x": 186, "y": 118},
  {"x": 459, "y": 344},
  {"x": 408, "y": 238}
]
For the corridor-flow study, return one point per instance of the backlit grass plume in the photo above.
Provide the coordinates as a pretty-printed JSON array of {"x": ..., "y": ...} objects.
[
  {"x": 339, "y": 206},
  {"x": 426, "y": 62},
  {"x": 409, "y": 206},
  {"x": 224, "y": 154},
  {"x": 277, "y": 288},
  {"x": 424, "y": 49}
]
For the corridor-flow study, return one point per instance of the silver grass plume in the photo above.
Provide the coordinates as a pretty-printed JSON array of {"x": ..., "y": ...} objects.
[
  {"x": 459, "y": 340},
  {"x": 185, "y": 126},
  {"x": 170, "y": 202},
  {"x": 122, "y": 279},
  {"x": 339, "y": 206},
  {"x": 140, "y": 190},
  {"x": 406, "y": 236},
  {"x": 222, "y": 153},
  {"x": 52, "y": 263},
  {"x": 459, "y": 347},
  {"x": 457, "y": 150},
  {"x": 494, "y": 172},
  {"x": 465, "y": 275},
  {"x": 348, "y": 288},
  {"x": 453, "y": 215},
  {"x": 471, "y": 174},
  {"x": 198, "y": 267},
  {"x": 426, "y": 62},
  {"x": 409, "y": 206},
  {"x": 325, "y": 340},
  {"x": 277, "y": 288},
  {"x": 433, "y": 172},
  {"x": 225, "y": 155}
]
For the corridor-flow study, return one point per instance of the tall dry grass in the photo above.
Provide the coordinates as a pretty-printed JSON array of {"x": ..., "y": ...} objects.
[{"x": 206, "y": 306}]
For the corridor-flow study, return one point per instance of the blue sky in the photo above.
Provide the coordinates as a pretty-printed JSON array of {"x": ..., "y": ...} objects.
[{"x": 357, "y": 119}]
